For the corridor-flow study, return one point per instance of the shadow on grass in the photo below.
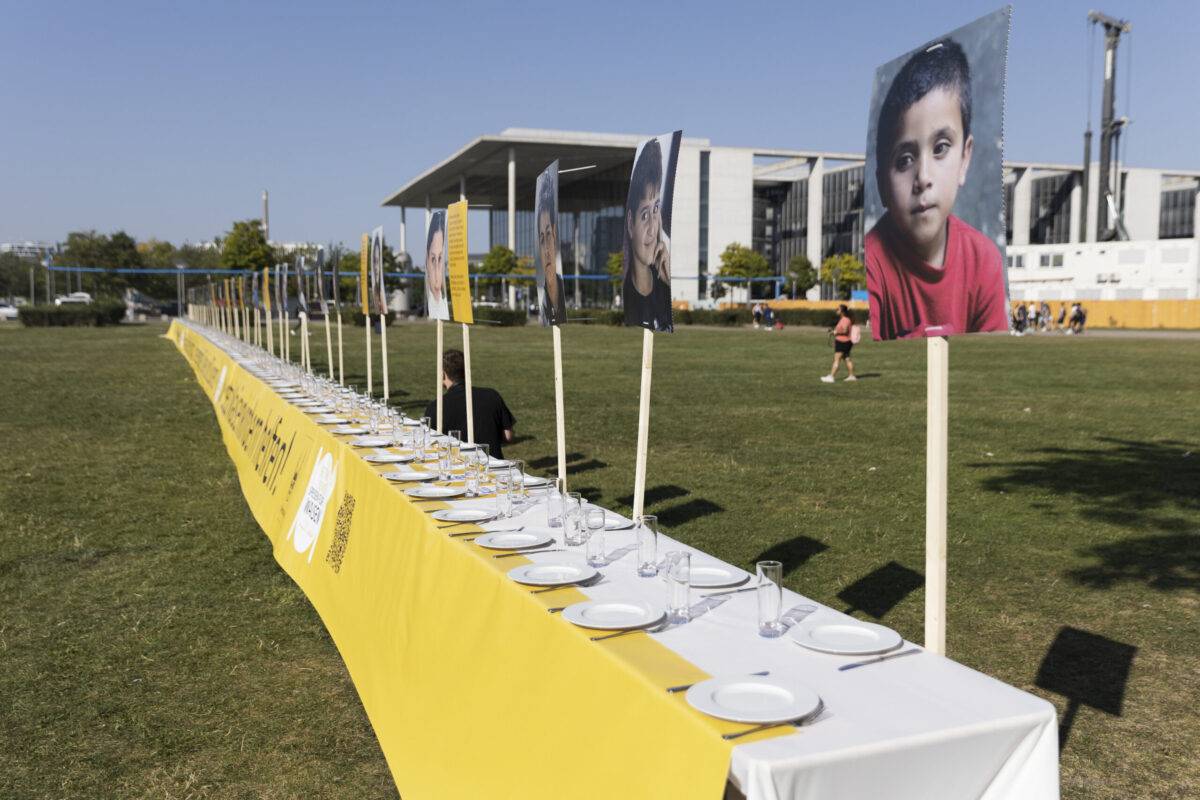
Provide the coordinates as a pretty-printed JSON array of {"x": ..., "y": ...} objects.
[
  {"x": 1137, "y": 485},
  {"x": 1087, "y": 669},
  {"x": 880, "y": 591},
  {"x": 1168, "y": 563},
  {"x": 656, "y": 494},
  {"x": 793, "y": 553}
]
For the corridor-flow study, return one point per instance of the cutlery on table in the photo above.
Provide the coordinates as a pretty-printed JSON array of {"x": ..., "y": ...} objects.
[
  {"x": 529, "y": 552},
  {"x": 765, "y": 727},
  {"x": 731, "y": 591},
  {"x": 502, "y": 530},
  {"x": 662, "y": 626},
  {"x": 684, "y": 687},
  {"x": 877, "y": 659},
  {"x": 556, "y": 609}
]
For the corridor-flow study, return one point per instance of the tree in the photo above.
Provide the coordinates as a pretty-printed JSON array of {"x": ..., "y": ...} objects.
[
  {"x": 845, "y": 272},
  {"x": 498, "y": 261},
  {"x": 801, "y": 275},
  {"x": 245, "y": 247},
  {"x": 14, "y": 275},
  {"x": 91, "y": 249},
  {"x": 739, "y": 261},
  {"x": 615, "y": 266}
]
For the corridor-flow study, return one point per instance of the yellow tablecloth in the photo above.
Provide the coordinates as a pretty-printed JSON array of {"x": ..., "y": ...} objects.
[{"x": 472, "y": 688}]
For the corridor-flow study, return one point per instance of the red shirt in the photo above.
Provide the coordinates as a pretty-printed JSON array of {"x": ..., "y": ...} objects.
[
  {"x": 910, "y": 298},
  {"x": 841, "y": 331}
]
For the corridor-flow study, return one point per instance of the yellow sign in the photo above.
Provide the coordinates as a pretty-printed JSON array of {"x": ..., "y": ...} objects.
[
  {"x": 396, "y": 593},
  {"x": 266, "y": 289},
  {"x": 460, "y": 280},
  {"x": 363, "y": 259}
]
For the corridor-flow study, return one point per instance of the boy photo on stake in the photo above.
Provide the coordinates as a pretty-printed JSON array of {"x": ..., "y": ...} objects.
[{"x": 929, "y": 273}]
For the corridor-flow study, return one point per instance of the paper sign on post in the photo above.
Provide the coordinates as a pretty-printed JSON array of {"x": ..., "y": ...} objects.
[{"x": 460, "y": 281}]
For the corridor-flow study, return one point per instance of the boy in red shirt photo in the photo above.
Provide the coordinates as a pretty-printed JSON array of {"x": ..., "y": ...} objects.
[{"x": 929, "y": 273}]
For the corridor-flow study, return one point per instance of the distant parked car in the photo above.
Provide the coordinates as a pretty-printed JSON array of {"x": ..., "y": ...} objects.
[
  {"x": 8, "y": 311},
  {"x": 74, "y": 297}
]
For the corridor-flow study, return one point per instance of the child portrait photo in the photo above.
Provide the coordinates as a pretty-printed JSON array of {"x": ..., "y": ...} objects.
[
  {"x": 933, "y": 210},
  {"x": 552, "y": 296},
  {"x": 646, "y": 278}
]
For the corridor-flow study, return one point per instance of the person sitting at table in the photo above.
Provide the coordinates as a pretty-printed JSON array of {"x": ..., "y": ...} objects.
[{"x": 493, "y": 421}]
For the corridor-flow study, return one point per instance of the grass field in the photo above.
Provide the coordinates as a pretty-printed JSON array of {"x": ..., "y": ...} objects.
[{"x": 151, "y": 648}]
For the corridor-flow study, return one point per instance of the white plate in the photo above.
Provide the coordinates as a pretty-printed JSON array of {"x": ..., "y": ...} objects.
[
  {"x": 347, "y": 430},
  {"x": 301, "y": 402},
  {"x": 438, "y": 492},
  {"x": 748, "y": 698},
  {"x": 463, "y": 515},
  {"x": 551, "y": 574},
  {"x": 498, "y": 463},
  {"x": 613, "y": 614},
  {"x": 318, "y": 409},
  {"x": 845, "y": 638},
  {"x": 409, "y": 476},
  {"x": 710, "y": 575},
  {"x": 328, "y": 420},
  {"x": 533, "y": 481},
  {"x": 614, "y": 523},
  {"x": 512, "y": 540},
  {"x": 388, "y": 458},
  {"x": 369, "y": 441}
]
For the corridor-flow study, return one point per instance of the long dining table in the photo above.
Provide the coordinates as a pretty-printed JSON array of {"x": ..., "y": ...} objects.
[{"x": 479, "y": 686}]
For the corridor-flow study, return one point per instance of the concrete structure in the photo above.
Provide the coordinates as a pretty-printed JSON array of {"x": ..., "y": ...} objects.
[
  {"x": 788, "y": 202},
  {"x": 34, "y": 250}
]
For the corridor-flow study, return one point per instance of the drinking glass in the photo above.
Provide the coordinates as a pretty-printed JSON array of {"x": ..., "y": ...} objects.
[
  {"x": 444, "y": 459},
  {"x": 471, "y": 476},
  {"x": 556, "y": 504},
  {"x": 594, "y": 519},
  {"x": 504, "y": 493},
  {"x": 679, "y": 585},
  {"x": 574, "y": 532},
  {"x": 483, "y": 463},
  {"x": 770, "y": 598},
  {"x": 646, "y": 531}
]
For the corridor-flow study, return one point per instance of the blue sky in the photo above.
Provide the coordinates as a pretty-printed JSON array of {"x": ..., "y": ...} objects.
[{"x": 168, "y": 120}]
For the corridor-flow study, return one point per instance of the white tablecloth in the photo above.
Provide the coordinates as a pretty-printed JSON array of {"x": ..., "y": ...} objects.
[{"x": 920, "y": 726}]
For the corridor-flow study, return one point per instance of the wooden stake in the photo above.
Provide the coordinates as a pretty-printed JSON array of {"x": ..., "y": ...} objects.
[
  {"x": 560, "y": 419},
  {"x": 270, "y": 335},
  {"x": 328, "y": 346},
  {"x": 467, "y": 375},
  {"x": 639, "y": 478},
  {"x": 383, "y": 355},
  {"x": 305, "y": 364},
  {"x": 341, "y": 362},
  {"x": 370, "y": 380},
  {"x": 936, "y": 440},
  {"x": 287, "y": 341},
  {"x": 439, "y": 377}
]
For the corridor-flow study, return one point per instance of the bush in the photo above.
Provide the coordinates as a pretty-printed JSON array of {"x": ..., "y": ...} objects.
[
  {"x": 596, "y": 316},
  {"x": 503, "y": 317},
  {"x": 820, "y": 317},
  {"x": 356, "y": 317},
  {"x": 72, "y": 315},
  {"x": 726, "y": 317}
]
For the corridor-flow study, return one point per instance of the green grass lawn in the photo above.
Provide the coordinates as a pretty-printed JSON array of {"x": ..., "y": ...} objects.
[{"x": 151, "y": 648}]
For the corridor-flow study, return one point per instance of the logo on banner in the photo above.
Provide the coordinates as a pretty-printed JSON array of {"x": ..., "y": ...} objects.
[
  {"x": 306, "y": 527},
  {"x": 220, "y": 385}
]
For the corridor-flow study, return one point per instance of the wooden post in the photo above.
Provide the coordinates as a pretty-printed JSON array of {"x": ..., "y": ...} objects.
[
  {"x": 560, "y": 419},
  {"x": 639, "y": 479},
  {"x": 287, "y": 342},
  {"x": 305, "y": 364},
  {"x": 270, "y": 335},
  {"x": 936, "y": 439},
  {"x": 328, "y": 345},
  {"x": 467, "y": 376},
  {"x": 383, "y": 355},
  {"x": 438, "y": 390},
  {"x": 341, "y": 362},
  {"x": 370, "y": 380}
]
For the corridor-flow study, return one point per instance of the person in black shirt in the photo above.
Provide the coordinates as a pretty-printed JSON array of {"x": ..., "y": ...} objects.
[
  {"x": 493, "y": 421},
  {"x": 647, "y": 255}
]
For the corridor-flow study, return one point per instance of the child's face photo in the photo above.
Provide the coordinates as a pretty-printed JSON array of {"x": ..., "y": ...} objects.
[
  {"x": 927, "y": 165},
  {"x": 644, "y": 227}
]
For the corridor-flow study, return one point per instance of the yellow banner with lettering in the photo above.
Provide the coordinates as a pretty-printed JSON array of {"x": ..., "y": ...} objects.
[
  {"x": 473, "y": 690},
  {"x": 460, "y": 279}
]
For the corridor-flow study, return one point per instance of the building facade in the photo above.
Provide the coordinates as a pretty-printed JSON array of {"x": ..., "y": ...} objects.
[{"x": 787, "y": 203}]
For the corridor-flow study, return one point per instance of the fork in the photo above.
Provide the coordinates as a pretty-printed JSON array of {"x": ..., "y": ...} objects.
[
  {"x": 662, "y": 626},
  {"x": 528, "y": 552}
]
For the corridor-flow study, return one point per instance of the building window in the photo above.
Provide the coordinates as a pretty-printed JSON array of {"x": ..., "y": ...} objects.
[
  {"x": 1177, "y": 213},
  {"x": 1050, "y": 260},
  {"x": 1050, "y": 209},
  {"x": 1016, "y": 262}
]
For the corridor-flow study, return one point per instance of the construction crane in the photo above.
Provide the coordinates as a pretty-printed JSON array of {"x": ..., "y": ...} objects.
[{"x": 1109, "y": 224}]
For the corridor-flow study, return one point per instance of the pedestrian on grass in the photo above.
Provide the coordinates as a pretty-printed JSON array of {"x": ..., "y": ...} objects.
[
  {"x": 845, "y": 333},
  {"x": 493, "y": 421},
  {"x": 757, "y": 312}
]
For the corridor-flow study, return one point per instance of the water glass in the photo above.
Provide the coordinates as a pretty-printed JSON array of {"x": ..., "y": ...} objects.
[
  {"x": 646, "y": 531},
  {"x": 445, "y": 462},
  {"x": 519, "y": 490},
  {"x": 556, "y": 504},
  {"x": 770, "y": 598},
  {"x": 594, "y": 520},
  {"x": 504, "y": 493},
  {"x": 678, "y": 565},
  {"x": 574, "y": 532}
]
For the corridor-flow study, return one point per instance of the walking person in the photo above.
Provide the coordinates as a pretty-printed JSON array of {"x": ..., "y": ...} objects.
[{"x": 845, "y": 333}]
